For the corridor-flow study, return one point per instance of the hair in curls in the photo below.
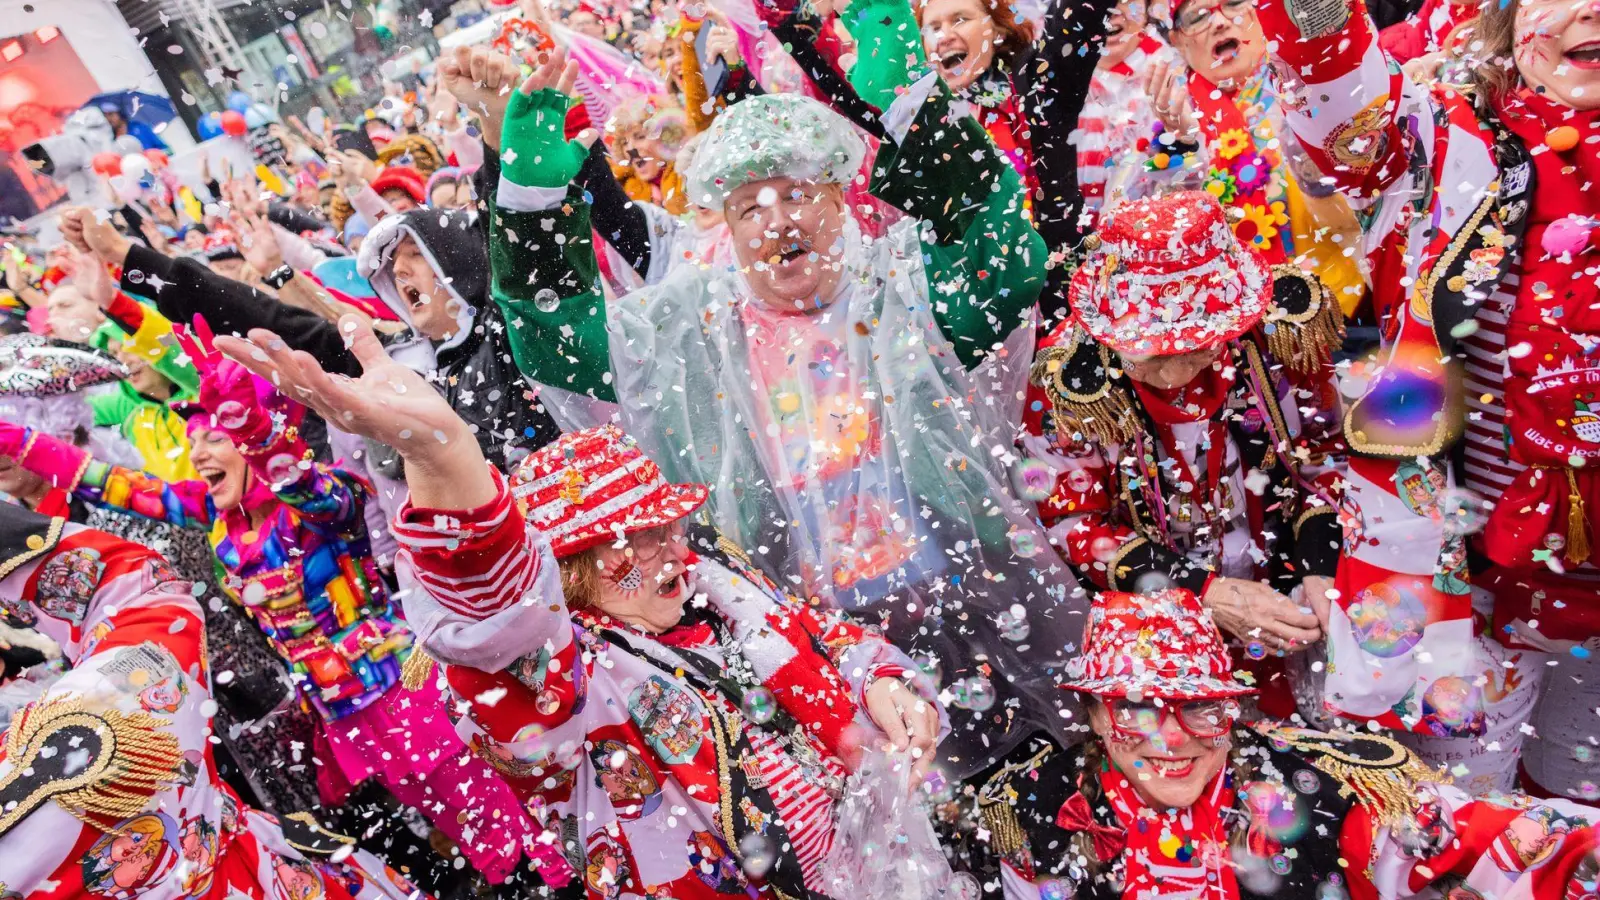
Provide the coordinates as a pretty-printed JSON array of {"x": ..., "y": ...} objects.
[
  {"x": 1490, "y": 46},
  {"x": 1013, "y": 38}
]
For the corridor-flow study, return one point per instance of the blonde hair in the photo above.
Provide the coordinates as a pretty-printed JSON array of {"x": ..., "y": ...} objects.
[{"x": 580, "y": 578}]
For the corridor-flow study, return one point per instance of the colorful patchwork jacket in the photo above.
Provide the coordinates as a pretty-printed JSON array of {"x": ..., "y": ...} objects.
[
  {"x": 306, "y": 575},
  {"x": 108, "y": 789}
]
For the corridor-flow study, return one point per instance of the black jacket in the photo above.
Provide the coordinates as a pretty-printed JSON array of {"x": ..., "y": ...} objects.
[{"x": 476, "y": 377}]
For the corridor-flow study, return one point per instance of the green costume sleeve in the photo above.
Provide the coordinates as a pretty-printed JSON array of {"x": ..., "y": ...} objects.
[
  {"x": 543, "y": 272},
  {"x": 888, "y": 48},
  {"x": 112, "y": 408},
  {"x": 163, "y": 353},
  {"x": 985, "y": 262},
  {"x": 537, "y": 257}
]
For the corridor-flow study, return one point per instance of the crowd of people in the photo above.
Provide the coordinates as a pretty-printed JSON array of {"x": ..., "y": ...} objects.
[{"x": 891, "y": 448}]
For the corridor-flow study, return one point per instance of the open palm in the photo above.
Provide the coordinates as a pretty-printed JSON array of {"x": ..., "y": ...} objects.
[{"x": 389, "y": 403}]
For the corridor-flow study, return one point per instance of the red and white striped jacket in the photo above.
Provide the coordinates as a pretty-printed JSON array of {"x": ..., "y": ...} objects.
[{"x": 612, "y": 735}]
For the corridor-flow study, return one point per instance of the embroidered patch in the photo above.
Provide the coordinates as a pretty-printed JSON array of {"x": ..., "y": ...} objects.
[
  {"x": 710, "y": 859},
  {"x": 626, "y": 778},
  {"x": 138, "y": 852},
  {"x": 672, "y": 722},
  {"x": 67, "y": 583},
  {"x": 753, "y": 814},
  {"x": 298, "y": 879},
  {"x": 1515, "y": 180},
  {"x": 1360, "y": 142}
]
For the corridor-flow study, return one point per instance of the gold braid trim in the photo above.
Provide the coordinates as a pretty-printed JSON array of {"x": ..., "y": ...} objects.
[
  {"x": 136, "y": 760},
  {"x": 1308, "y": 514},
  {"x": 416, "y": 670},
  {"x": 1116, "y": 561},
  {"x": 35, "y": 546},
  {"x": 1306, "y": 340},
  {"x": 1384, "y": 782},
  {"x": 997, "y": 804},
  {"x": 1105, "y": 415}
]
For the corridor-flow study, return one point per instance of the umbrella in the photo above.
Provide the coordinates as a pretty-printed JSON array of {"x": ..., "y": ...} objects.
[{"x": 137, "y": 106}]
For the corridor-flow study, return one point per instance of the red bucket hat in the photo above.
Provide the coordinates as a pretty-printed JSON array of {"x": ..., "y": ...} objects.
[
  {"x": 1168, "y": 276},
  {"x": 1153, "y": 646},
  {"x": 594, "y": 486},
  {"x": 402, "y": 178}
]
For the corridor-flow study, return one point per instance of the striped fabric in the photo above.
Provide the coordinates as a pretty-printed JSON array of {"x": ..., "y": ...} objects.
[
  {"x": 806, "y": 809},
  {"x": 1489, "y": 470},
  {"x": 1115, "y": 115},
  {"x": 500, "y": 570}
]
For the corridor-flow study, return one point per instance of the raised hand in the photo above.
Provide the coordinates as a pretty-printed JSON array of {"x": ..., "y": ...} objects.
[
  {"x": 258, "y": 243},
  {"x": 228, "y": 390},
  {"x": 535, "y": 151},
  {"x": 1168, "y": 90},
  {"x": 89, "y": 275},
  {"x": 389, "y": 403},
  {"x": 482, "y": 80}
]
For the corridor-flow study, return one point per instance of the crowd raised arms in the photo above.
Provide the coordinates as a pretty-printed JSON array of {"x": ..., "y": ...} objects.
[{"x": 940, "y": 449}]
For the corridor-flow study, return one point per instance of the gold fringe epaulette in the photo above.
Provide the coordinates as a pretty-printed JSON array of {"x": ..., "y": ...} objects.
[
  {"x": 416, "y": 670},
  {"x": 104, "y": 765},
  {"x": 997, "y": 804},
  {"x": 1084, "y": 398},
  {"x": 1379, "y": 772},
  {"x": 1305, "y": 324}
]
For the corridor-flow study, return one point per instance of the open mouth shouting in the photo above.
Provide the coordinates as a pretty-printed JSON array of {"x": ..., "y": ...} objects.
[
  {"x": 1584, "y": 56},
  {"x": 1226, "y": 49},
  {"x": 951, "y": 63},
  {"x": 676, "y": 587},
  {"x": 214, "y": 476},
  {"x": 414, "y": 298}
]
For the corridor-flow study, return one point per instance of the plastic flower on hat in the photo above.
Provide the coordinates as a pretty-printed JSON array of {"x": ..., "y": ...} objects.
[
  {"x": 1252, "y": 173},
  {"x": 1232, "y": 142},
  {"x": 1222, "y": 185},
  {"x": 1260, "y": 223}
]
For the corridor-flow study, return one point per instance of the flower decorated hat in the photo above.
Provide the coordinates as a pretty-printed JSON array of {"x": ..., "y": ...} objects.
[
  {"x": 1161, "y": 645},
  {"x": 593, "y": 486},
  {"x": 1168, "y": 276}
]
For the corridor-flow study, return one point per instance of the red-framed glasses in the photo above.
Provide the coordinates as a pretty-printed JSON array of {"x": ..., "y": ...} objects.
[{"x": 1203, "y": 719}]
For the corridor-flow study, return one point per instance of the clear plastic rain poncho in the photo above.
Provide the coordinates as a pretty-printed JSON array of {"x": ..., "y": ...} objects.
[{"x": 856, "y": 459}]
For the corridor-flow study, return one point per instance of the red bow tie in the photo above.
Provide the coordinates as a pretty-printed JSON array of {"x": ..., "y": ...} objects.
[{"x": 1074, "y": 815}]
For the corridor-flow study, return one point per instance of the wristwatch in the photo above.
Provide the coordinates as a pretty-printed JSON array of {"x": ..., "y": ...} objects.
[{"x": 278, "y": 277}]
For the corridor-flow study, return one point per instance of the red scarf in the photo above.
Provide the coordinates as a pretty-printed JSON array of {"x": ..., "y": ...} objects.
[
  {"x": 1553, "y": 391},
  {"x": 1196, "y": 401},
  {"x": 1175, "y": 850}
]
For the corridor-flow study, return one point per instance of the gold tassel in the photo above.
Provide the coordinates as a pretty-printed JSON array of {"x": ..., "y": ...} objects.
[
  {"x": 1306, "y": 341},
  {"x": 1577, "y": 523},
  {"x": 1108, "y": 420},
  {"x": 416, "y": 670}
]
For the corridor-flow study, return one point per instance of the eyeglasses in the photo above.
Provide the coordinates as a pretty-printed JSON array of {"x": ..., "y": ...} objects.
[
  {"x": 1194, "y": 21},
  {"x": 1203, "y": 719}
]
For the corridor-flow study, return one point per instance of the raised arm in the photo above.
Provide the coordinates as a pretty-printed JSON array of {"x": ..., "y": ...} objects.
[
  {"x": 986, "y": 263},
  {"x": 72, "y": 469},
  {"x": 1366, "y": 121},
  {"x": 542, "y": 262}
]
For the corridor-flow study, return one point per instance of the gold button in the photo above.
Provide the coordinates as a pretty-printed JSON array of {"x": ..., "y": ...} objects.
[
  {"x": 1457, "y": 283},
  {"x": 35, "y": 542}
]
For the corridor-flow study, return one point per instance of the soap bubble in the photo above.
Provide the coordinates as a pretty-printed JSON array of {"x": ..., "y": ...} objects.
[
  {"x": 546, "y": 300},
  {"x": 1013, "y": 623},
  {"x": 1464, "y": 511},
  {"x": 759, "y": 705},
  {"x": 1035, "y": 480},
  {"x": 1024, "y": 544},
  {"x": 758, "y": 853},
  {"x": 975, "y": 693},
  {"x": 962, "y": 886}
]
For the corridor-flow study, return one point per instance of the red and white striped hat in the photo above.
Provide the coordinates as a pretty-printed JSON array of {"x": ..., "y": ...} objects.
[{"x": 596, "y": 485}]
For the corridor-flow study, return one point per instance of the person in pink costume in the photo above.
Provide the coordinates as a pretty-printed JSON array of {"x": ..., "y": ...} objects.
[{"x": 291, "y": 537}]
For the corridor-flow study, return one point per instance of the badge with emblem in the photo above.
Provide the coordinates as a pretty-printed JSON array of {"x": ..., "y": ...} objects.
[{"x": 67, "y": 583}]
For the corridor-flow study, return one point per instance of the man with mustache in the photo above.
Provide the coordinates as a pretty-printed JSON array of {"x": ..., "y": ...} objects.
[{"x": 851, "y": 399}]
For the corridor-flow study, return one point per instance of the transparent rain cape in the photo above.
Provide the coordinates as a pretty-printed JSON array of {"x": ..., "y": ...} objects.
[{"x": 915, "y": 528}]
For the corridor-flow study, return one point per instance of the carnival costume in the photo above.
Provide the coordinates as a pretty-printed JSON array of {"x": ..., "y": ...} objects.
[
  {"x": 307, "y": 577},
  {"x": 1478, "y": 216},
  {"x": 1234, "y": 474},
  {"x": 666, "y": 763},
  {"x": 1292, "y": 812},
  {"x": 108, "y": 789},
  {"x": 861, "y": 440}
]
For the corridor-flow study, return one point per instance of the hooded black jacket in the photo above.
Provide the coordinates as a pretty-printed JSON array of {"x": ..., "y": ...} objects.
[{"x": 476, "y": 374}]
